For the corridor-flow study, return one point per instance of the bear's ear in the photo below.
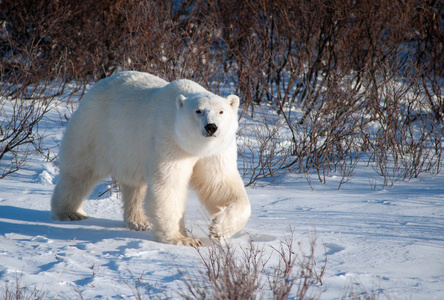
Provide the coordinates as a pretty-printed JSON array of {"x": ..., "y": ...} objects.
[
  {"x": 233, "y": 100},
  {"x": 180, "y": 101}
]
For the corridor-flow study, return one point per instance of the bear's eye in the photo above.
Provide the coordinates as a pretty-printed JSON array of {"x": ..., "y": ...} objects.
[
  {"x": 221, "y": 112},
  {"x": 198, "y": 111}
]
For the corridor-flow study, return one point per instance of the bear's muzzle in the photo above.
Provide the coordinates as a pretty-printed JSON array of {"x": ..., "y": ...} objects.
[{"x": 210, "y": 128}]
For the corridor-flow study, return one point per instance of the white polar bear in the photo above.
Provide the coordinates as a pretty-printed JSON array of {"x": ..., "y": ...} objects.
[{"x": 155, "y": 138}]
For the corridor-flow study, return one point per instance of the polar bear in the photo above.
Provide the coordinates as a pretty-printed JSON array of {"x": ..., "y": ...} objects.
[{"x": 155, "y": 138}]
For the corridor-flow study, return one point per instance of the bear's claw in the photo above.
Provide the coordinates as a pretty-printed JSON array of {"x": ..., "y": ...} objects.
[
  {"x": 214, "y": 231},
  {"x": 194, "y": 243},
  {"x": 186, "y": 241}
]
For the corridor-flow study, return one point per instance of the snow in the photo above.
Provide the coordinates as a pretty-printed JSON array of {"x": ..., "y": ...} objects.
[{"x": 390, "y": 241}]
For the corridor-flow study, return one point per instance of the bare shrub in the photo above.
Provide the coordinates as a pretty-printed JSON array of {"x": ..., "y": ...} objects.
[
  {"x": 170, "y": 42},
  {"x": 356, "y": 290},
  {"x": 303, "y": 54},
  {"x": 227, "y": 276},
  {"x": 264, "y": 150},
  {"x": 32, "y": 75},
  {"x": 19, "y": 132},
  {"x": 296, "y": 269},
  {"x": 23, "y": 104},
  {"x": 403, "y": 133},
  {"x": 112, "y": 188},
  {"x": 83, "y": 36},
  {"x": 242, "y": 273},
  {"x": 15, "y": 291},
  {"x": 335, "y": 62}
]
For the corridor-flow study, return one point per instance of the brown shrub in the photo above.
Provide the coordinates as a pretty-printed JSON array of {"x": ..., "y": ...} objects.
[{"x": 348, "y": 77}]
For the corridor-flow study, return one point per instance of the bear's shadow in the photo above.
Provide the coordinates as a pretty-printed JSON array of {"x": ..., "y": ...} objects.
[{"x": 31, "y": 222}]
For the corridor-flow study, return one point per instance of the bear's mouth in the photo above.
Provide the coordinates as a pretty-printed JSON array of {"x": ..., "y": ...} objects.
[{"x": 210, "y": 135}]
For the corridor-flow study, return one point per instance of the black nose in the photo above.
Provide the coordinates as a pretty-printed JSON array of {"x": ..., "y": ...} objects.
[{"x": 211, "y": 128}]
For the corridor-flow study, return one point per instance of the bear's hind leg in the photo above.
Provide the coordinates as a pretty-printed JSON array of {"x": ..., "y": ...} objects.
[
  {"x": 69, "y": 195},
  {"x": 134, "y": 215}
]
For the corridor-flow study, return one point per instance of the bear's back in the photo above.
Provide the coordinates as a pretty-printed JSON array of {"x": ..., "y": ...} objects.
[
  {"x": 136, "y": 79},
  {"x": 127, "y": 81},
  {"x": 120, "y": 90}
]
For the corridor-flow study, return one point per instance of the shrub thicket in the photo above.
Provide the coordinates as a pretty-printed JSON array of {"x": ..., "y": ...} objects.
[{"x": 350, "y": 79}]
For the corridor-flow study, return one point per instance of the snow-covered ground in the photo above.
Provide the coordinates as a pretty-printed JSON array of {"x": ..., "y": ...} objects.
[{"x": 390, "y": 241}]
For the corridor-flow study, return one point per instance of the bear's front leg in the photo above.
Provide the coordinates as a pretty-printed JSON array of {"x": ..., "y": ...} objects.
[
  {"x": 165, "y": 201},
  {"x": 222, "y": 191},
  {"x": 230, "y": 219}
]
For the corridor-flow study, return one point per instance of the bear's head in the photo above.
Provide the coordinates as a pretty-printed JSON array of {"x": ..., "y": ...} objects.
[{"x": 205, "y": 123}]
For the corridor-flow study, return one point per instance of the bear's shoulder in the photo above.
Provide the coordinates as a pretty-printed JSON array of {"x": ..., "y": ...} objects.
[
  {"x": 139, "y": 79},
  {"x": 186, "y": 87}
]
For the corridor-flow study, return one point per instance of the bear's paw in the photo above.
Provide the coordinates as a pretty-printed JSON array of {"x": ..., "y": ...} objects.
[
  {"x": 186, "y": 241},
  {"x": 142, "y": 225},
  {"x": 223, "y": 224},
  {"x": 70, "y": 216}
]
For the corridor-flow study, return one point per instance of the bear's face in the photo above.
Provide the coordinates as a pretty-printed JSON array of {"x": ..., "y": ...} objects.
[{"x": 205, "y": 123}]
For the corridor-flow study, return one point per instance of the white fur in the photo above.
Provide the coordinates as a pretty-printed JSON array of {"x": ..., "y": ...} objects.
[{"x": 150, "y": 136}]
